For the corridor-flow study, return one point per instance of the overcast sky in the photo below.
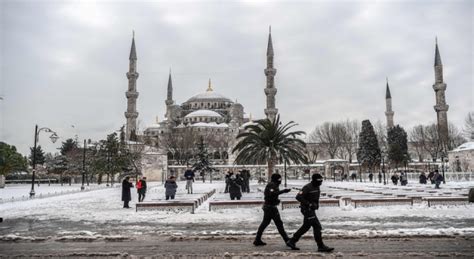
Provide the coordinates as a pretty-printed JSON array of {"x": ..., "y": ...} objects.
[{"x": 64, "y": 64}]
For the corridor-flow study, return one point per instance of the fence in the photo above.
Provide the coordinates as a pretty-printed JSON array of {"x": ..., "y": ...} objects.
[{"x": 52, "y": 194}]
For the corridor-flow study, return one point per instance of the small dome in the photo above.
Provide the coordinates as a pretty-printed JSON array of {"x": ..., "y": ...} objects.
[{"x": 203, "y": 113}]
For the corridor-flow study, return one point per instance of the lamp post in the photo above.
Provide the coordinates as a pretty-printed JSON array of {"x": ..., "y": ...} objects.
[
  {"x": 383, "y": 166},
  {"x": 442, "y": 166},
  {"x": 284, "y": 170},
  {"x": 83, "y": 165},
  {"x": 53, "y": 138}
]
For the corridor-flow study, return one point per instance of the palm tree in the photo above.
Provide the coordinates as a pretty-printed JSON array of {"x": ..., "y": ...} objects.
[{"x": 267, "y": 141}]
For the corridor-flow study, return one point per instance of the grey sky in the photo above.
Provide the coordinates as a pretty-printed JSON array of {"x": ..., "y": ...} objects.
[{"x": 64, "y": 64}]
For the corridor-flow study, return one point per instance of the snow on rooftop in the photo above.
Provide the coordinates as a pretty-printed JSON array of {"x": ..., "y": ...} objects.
[
  {"x": 203, "y": 113},
  {"x": 465, "y": 146},
  {"x": 210, "y": 125}
]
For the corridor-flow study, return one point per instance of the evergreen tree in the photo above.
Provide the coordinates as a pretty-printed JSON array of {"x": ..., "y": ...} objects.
[
  {"x": 40, "y": 158},
  {"x": 10, "y": 160},
  {"x": 397, "y": 146},
  {"x": 67, "y": 146},
  {"x": 368, "y": 152},
  {"x": 202, "y": 164}
]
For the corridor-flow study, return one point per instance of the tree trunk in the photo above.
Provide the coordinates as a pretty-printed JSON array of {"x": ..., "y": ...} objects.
[{"x": 271, "y": 166}]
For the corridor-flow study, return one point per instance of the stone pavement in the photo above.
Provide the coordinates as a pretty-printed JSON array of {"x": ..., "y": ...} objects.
[{"x": 241, "y": 247}]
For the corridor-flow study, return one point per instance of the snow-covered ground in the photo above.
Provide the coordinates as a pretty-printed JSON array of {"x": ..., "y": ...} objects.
[{"x": 98, "y": 215}]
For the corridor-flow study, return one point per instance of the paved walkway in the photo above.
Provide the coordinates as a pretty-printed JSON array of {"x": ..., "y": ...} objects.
[{"x": 240, "y": 246}]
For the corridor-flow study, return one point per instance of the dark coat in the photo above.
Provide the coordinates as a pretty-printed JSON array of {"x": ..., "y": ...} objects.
[
  {"x": 271, "y": 193},
  {"x": 309, "y": 197},
  {"x": 189, "y": 175},
  {"x": 126, "y": 194},
  {"x": 235, "y": 186},
  {"x": 143, "y": 189},
  {"x": 423, "y": 178},
  {"x": 171, "y": 187}
]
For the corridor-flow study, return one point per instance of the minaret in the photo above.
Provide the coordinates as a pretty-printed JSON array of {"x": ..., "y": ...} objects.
[
  {"x": 131, "y": 114},
  {"x": 209, "y": 86},
  {"x": 441, "y": 107},
  {"x": 388, "y": 107},
  {"x": 270, "y": 90},
  {"x": 169, "y": 99}
]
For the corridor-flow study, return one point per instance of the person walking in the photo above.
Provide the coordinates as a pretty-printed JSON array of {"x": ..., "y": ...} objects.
[
  {"x": 403, "y": 179},
  {"x": 395, "y": 179},
  {"x": 235, "y": 187},
  {"x": 309, "y": 202},
  {"x": 227, "y": 181},
  {"x": 423, "y": 178},
  {"x": 142, "y": 190},
  {"x": 270, "y": 210},
  {"x": 126, "y": 194},
  {"x": 138, "y": 185},
  {"x": 246, "y": 180},
  {"x": 189, "y": 176},
  {"x": 170, "y": 188},
  {"x": 380, "y": 177},
  {"x": 371, "y": 176},
  {"x": 438, "y": 178}
]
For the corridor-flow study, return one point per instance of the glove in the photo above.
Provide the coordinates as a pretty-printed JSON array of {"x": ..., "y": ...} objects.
[{"x": 286, "y": 190}]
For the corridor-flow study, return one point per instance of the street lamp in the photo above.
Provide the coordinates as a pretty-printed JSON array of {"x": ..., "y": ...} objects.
[
  {"x": 83, "y": 165},
  {"x": 383, "y": 166},
  {"x": 54, "y": 137},
  {"x": 442, "y": 165}
]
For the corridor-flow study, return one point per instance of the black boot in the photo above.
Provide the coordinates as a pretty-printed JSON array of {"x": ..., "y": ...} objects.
[
  {"x": 259, "y": 242},
  {"x": 325, "y": 248},
  {"x": 321, "y": 246},
  {"x": 291, "y": 243}
]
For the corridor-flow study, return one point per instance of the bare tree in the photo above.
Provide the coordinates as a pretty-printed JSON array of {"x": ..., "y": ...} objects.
[
  {"x": 180, "y": 144},
  {"x": 417, "y": 139},
  {"x": 330, "y": 135},
  {"x": 469, "y": 126},
  {"x": 351, "y": 138},
  {"x": 432, "y": 145},
  {"x": 313, "y": 151},
  {"x": 381, "y": 131},
  {"x": 455, "y": 136}
]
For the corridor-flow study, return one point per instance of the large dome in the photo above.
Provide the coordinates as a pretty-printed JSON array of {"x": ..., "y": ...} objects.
[
  {"x": 203, "y": 113},
  {"x": 209, "y": 96}
]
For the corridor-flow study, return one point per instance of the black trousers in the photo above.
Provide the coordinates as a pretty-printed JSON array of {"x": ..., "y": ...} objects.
[
  {"x": 125, "y": 204},
  {"x": 271, "y": 213},
  {"x": 141, "y": 196},
  {"x": 310, "y": 220}
]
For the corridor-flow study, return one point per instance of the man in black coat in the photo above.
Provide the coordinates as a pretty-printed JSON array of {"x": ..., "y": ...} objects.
[
  {"x": 126, "y": 194},
  {"x": 309, "y": 199},
  {"x": 270, "y": 210}
]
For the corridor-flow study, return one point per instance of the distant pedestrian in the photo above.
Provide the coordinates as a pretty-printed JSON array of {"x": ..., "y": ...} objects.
[
  {"x": 423, "y": 178},
  {"x": 438, "y": 178},
  {"x": 371, "y": 176},
  {"x": 126, "y": 194},
  {"x": 309, "y": 203},
  {"x": 227, "y": 180},
  {"x": 270, "y": 210},
  {"x": 431, "y": 176},
  {"x": 353, "y": 176},
  {"x": 189, "y": 176},
  {"x": 395, "y": 179},
  {"x": 235, "y": 187},
  {"x": 403, "y": 179},
  {"x": 170, "y": 188},
  {"x": 246, "y": 180},
  {"x": 380, "y": 177},
  {"x": 142, "y": 190}
]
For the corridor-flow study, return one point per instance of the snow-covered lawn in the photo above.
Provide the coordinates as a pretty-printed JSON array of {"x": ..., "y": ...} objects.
[{"x": 99, "y": 213}]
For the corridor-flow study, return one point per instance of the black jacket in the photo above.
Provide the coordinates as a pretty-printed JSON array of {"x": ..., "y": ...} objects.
[
  {"x": 309, "y": 197},
  {"x": 235, "y": 187},
  {"x": 126, "y": 195},
  {"x": 271, "y": 194}
]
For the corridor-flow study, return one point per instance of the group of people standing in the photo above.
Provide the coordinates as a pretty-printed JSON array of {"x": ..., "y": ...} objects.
[
  {"x": 126, "y": 193},
  {"x": 237, "y": 183}
]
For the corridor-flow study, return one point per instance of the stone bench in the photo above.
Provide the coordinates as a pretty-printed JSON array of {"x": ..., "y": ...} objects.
[
  {"x": 291, "y": 204},
  {"x": 173, "y": 205},
  {"x": 445, "y": 200},
  {"x": 170, "y": 205},
  {"x": 232, "y": 204},
  {"x": 367, "y": 202}
]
